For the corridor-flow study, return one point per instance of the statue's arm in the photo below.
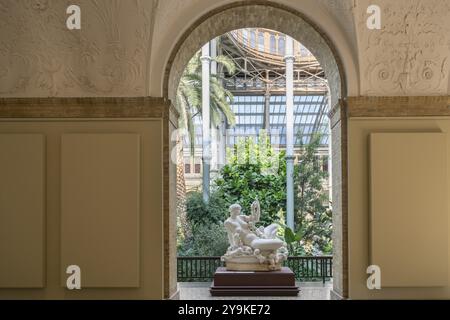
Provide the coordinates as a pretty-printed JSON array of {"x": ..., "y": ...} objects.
[
  {"x": 227, "y": 225},
  {"x": 256, "y": 211},
  {"x": 246, "y": 218}
]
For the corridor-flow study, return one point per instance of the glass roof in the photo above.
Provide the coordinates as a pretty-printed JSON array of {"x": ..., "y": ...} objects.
[{"x": 310, "y": 116}]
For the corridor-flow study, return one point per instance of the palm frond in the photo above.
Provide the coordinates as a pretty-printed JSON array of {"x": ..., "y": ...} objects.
[
  {"x": 227, "y": 63},
  {"x": 225, "y": 108},
  {"x": 189, "y": 95}
]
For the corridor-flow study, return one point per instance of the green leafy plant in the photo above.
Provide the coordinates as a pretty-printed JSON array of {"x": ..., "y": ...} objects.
[
  {"x": 254, "y": 171},
  {"x": 201, "y": 213},
  {"x": 189, "y": 95},
  {"x": 207, "y": 235},
  {"x": 206, "y": 240},
  {"x": 312, "y": 212},
  {"x": 290, "y": 237}
]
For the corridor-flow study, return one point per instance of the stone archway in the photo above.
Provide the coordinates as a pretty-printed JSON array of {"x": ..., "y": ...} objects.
[{"x": 247, "y": 14}]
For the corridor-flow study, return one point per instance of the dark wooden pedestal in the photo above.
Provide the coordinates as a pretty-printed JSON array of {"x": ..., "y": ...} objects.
[{"x": 254, "y": 283}]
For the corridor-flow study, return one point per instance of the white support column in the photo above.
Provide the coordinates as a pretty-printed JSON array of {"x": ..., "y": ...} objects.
[
  {"x": 222, "y": 144},
  {"x": 267, "y": 106},
  {"x": 289, "y": 60},
  {"x": 330, "y": 154},
  {"x": 206, "y": 120},
  {"x": 213, "y": 55},
  {"x": 215, "y": 133}
]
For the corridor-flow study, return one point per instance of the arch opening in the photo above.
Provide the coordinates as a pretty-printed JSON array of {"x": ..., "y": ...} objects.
[
  {"x": 297, "y": 26},
  {"x": 242, "y": 15}
]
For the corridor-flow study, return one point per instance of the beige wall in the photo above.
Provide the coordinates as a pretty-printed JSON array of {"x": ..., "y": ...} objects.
[
  {"x": 359, "y": 211},
  {"x": 103, "y": 208},
  {"x": 123, "y": 50},
  {"x": 408, "y": 213},
  {"x": 22, "y": 210}
]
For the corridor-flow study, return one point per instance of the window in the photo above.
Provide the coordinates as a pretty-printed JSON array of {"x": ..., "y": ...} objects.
[
  {"x": 273, "y": 44},
  {"x": 249, "y": 111},
  {"x": 281, "y": 42},
  {"x": 187, "y": 168},
  {"x": 261, "y": 41},
  {"x": 245, "y": 36},
  {"x": 198, "y": 168},
  {"x": 252, "y": 39}
]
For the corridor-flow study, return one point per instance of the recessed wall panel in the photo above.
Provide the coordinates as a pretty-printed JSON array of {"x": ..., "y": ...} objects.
[
  {"x": 22, "y": 210},
  {"x": 100, "y": 195},
  {"x": 408, "y": 208}
]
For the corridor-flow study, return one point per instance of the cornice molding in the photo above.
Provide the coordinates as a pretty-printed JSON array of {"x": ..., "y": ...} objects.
[
  {"x": 398, "y": 106},
  {"x": 337, "y": 112},
  {"x": 133, "y": 107}
]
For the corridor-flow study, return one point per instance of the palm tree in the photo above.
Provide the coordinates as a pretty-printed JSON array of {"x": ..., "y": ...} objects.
[{"x": 189, "y": 95}]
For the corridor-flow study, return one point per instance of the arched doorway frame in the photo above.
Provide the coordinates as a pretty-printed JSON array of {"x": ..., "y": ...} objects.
[{"x": 263, "y": 14}]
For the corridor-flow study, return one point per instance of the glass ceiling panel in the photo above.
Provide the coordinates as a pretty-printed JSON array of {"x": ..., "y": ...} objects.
[{"x": 310, "y": 116}]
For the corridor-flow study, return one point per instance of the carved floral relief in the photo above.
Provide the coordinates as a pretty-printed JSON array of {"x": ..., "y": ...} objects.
[
  {"x": 409, "y": 55},
  {"x": 39, "y": 56}
]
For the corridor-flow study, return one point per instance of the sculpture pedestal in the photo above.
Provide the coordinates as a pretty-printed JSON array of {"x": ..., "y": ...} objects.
[
  {"x": 254, "y": 266},
  {"x": 254, "y": 283}
]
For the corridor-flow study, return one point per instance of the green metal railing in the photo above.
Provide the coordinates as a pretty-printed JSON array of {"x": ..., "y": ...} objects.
[{"x": 201, "y": 269}]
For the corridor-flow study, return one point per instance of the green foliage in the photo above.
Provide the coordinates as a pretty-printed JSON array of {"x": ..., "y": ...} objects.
[
  {"x": 291, "y": 237},
  {"x": 189, "y": 95},
  {"x": 206, "y": 240},
  {"x": 207, "y": 234},
  {"x": 312, "y": 214},
  {"x": 200, "y": 213},
  {"x": 254, "y": 171}
]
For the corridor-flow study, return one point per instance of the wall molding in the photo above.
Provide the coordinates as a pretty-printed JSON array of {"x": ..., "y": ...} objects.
[
  {"x": 397, "y": 106},
  {"x": 337, "y": 112},
  {"x": 135, "y": 107}
]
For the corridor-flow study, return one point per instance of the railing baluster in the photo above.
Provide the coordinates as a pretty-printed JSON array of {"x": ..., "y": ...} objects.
[
  {"x": 317, "y": 269},
  {"x": 205, "y": 274},
  {"x": 304, "y": 268},
  {"x": 322, "y": 270}
]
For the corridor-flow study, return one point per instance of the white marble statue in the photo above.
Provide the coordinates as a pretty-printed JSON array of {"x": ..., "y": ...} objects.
[{"x": 252, "y": 248}]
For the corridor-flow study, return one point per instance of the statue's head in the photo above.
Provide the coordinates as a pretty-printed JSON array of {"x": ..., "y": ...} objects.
[{"x": 235, "y": 210}]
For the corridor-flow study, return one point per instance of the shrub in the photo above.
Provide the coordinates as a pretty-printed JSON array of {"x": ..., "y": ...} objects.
[
  {"x": 200, "y": 213},
  {"x": 206, "y": 240},
  {"x": 207, "y": 234},
  {"x": 254, "y": 171}
]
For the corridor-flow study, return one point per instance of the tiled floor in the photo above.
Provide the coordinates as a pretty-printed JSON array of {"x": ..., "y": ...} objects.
[{"x": 308, "y": 291}]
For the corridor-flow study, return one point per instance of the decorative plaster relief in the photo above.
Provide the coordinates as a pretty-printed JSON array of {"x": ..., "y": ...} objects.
[
  {"x": 409, "y": 55},
  {"x": 39, "y": 56}
]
